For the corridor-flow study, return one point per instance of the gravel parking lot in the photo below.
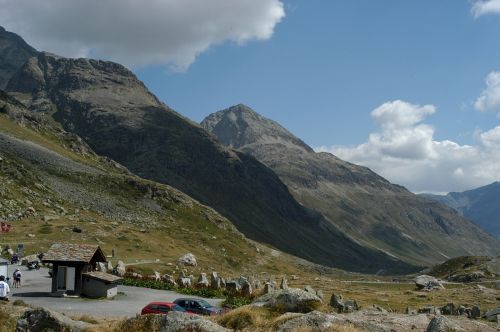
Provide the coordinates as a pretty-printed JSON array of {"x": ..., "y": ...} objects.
[{"x": 35, "y": 290}]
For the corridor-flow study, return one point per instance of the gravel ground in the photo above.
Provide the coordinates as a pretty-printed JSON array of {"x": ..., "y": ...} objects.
[
  {"x": 36, "y": 286},
  {"x": 42, "y": 157}
]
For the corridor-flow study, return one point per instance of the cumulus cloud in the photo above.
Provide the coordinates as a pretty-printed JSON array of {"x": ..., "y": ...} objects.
[
  {"x": 140, "y": 32},
  {"x": 489, "y": 100},
  {"x": 483, "y": 7},
  {"x": 405, "y": 152}
]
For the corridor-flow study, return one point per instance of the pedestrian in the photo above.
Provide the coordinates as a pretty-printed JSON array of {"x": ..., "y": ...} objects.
[
  {"x": 17, "y": 278},
  {"x": 4, "y": 289}
]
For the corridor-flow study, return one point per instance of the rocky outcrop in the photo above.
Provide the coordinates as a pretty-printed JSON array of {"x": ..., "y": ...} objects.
[
  {"x": 425, "y": 282},
  {"x": 341, "y": 305},
  {"x": 175, "y": 322},
  {"x": 290, "y": 300},
  {"x": 39, "y": 319},
  {"x": 442, "y": 324},
  {"x": 315, "y": 320}
]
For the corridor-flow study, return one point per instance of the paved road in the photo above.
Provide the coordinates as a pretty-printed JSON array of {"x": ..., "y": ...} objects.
[{"x": 35, "y": 290}]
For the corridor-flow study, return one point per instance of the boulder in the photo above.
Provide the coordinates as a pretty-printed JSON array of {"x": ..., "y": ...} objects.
[
  {"x": 410, "y": 311},
  {"x": 256, "y": 284},
  {"x": 290, "y": 300},
  {"x": 202, "y": 281},
  {"x": 309, "y": 289},
  {"x": 425, "y": 282},
  {"x": 109, "y": 266},
  {"x": 343, "y": 306},
  {"x": 157, "y": 276},
  {"x": 429, "y": 310},
  {"x": 176, "y": 322},
  {"x": 188, "y": 260},
  {"x": 246, "y": 288},
  {"x": 475, "y": 312},
  {"x": 284, "y": 283},
  {"x": 493, "y": 315},
  {"x": 467, "y": 277},
  {"x": 268, "y": 287},
  {"x": 215, "y": 281},
  {"x": 120, "y": 269},
  {"x": 101, "y": 266},
  {"x": 185, "y": 282},
  {"x": 39, "y": 319},
  {"x": 448, "y": 309},
  {"x": 320, "y": 294},
  {"x": 233, "y": 287},
  {"x": 313, "y": 321},
  {"x": 169, "y": 280},
  {"x": 442, "y": 324}
]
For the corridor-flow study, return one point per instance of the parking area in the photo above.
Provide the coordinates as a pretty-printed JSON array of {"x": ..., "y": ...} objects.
[{"x": 35, "y": 290}]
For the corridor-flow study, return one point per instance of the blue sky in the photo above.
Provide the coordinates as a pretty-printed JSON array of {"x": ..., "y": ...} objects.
[
  {"x": 330, "y": 63},
  {"x": 410, "y": 89}
]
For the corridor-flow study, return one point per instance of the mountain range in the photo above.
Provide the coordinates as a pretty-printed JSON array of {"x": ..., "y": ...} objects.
[
  {"x": 314, "y": 206},
  {"x": 481, "y": 205}
]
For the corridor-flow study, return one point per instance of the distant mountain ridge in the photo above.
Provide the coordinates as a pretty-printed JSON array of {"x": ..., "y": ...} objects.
[
  {"x": 115, "y": 114},
  {"x": 361, "y": 203},
  {"x": 481, "y": 205}
]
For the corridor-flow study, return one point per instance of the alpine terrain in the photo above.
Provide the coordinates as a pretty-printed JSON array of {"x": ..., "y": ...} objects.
[{"x": 368, "y": 208}]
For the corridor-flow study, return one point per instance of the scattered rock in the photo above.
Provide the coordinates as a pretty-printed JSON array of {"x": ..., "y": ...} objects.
[
  {"x": 448, "y": 309},
  {"x": 40, "y": 319},
  {"x": 77, "y": 229},
  {"x": 188, "y": 260},
  {"x": 233, "y": 286},
  {"x": 343, "y": 306},
  {"x": 493, "y": 315},
  {"x": 467, "y": 277},
  {"x": 157, "y": 276},
  {"x": 442, "y": 324},
  {"x": 120, "y": 269},
  {"x": 269, "y": 288},
  {"x": 284, "y": 283},
  {"x": 476, "y": 312},
  {"x": 425, "y": 282},
  {"x": 185, "y": 282},
  {"x": 429, "y": 309},
  {"x": 215, "y": 281},
  {"x": 290, "y": 300},
  {"x": 203, "y": 281},
  {"x": 313, "y": 321},
  {"x": 246, "y": 288}
]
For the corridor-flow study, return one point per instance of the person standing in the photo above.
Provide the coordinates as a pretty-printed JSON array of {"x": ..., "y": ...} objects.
[
  {"x": 4, "y": 289},
  {"x": 17, "y": 278}
]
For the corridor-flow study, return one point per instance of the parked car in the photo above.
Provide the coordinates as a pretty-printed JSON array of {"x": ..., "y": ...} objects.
[
  {"x": 161, "y": 308},
  {"x": 198, "y": 306}
]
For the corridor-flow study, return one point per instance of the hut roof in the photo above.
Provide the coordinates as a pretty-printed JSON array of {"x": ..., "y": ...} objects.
[
  {"x": 70, "y": 252},
  {"x": 102, "y": 276}
]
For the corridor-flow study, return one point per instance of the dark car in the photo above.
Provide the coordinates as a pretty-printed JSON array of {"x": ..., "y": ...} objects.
[
  {"x": 162, "y": 308},
  {"x": 198, "y": 306}
]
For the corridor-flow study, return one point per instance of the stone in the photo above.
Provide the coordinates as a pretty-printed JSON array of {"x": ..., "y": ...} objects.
[
  {"x": 120, "y": 269},
  {"x": 497, "y": 284},
  {"x": 101, "y": 267},
  {"x": 157, "y": 276},
  {"x": 188, "y": 260},
  {"x": 313, "y": 321},
  {"x": 320, "y": 294},
  {"x": 425, "y": 282},
  {"x": 429, "y": 309},
  {"x": 290, "y": 300},
  {"x": 246, "y": 288},
  {"x": 40, "y": 319},
  {"x": 169, "y": 280},
  {"x": 233, "y": 287},
  {"x": 380, "y": 309},
  {"x": 109, "y": 266},
  {"x": 215, "y": 281},
  {"x": 493, "y": 315},
  {"x": 309, "y": 289},
  {"x": 256, "y": 284},
  {"x": 268, "y": 288},
  {"x": 284, "y": 283},
  {"x": 185, "y": 282},
  {"x": 442, "y": 324},
  {"x": 448, "y": 309},
  {"x": 475, "y": 276},
  {"x": 337, "y": 302},
  {"x": 475, "y": 312},
  {"x": 350, "y": 306},
  {"x": 410, "y": 311},
  {"x": 77, "y": 229},
  {"x": 31, "y": 235},
  {"x": 178, "y": 321},
  {"x": 202, "y": 281}
]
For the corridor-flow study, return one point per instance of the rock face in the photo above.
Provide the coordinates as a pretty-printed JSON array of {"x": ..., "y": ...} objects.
[
  {"x": 107, "y": 106},
  {"x": 188, "y": 260},
  {"x": 428, "y": 283},
  {"x": 290, "y": 300},
  {"x": 38, "y": 319},
  {"x": 14, "y": 52},
  {"x": 362, "y": 204}
]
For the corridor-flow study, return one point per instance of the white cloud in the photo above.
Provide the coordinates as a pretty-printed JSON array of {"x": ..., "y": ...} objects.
[
  {"x": 405, "y": 152},
  {"x": 140, "y": 32},
  {"x": 489, "y": 100},
  {"x": 483, "y": 7}
]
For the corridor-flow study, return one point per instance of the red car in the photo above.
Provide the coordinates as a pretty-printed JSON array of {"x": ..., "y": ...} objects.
[{"x": 162, "y": 308}]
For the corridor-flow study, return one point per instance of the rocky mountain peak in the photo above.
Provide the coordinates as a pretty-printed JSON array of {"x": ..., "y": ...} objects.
[
  {"x": 239, "y": 126},
  {"x": 14, "y": 52}
]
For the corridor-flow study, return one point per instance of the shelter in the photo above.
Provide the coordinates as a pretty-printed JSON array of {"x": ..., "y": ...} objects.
[{"x": 74, "y": 271}]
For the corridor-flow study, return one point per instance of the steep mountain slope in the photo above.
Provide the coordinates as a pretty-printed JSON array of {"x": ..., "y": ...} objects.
[
  {"x": 481, "y": 205},
  {"x": 15, "y": 52},
  {"x": 107, "y": 106},
  {"x": 361, "y": 203}
]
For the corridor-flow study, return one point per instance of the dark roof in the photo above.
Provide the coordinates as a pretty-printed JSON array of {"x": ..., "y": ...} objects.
[
  {"x": 70, "y": 252},
  {"x": 3, "y": 261},
  {"x": 109, "y": 278}
]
